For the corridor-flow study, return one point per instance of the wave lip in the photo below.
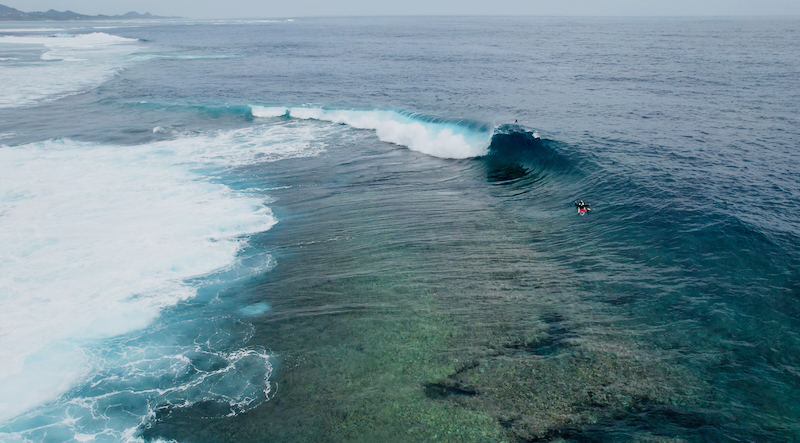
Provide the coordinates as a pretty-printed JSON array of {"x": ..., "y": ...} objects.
[
  {"x": 268, "y": 112},
  {"x": 438, "y": 139}
]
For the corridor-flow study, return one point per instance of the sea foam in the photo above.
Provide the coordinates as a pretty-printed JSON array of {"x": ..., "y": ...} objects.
[
  {"x": 96, "y": 245},
  {"x": 68, "y": 64},
  {"x": 437, "y": 139},
  {"x": 97, "y": 241}
]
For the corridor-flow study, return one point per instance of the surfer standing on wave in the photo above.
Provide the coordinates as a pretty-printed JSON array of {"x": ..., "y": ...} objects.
[{"x": 582, "y": 207}]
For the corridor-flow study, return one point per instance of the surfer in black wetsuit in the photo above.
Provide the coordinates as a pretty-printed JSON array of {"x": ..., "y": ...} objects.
[{"x": 582, "y": 207}]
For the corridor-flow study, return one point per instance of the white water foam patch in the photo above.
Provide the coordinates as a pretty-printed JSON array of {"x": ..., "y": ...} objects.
[
  {"x": 436, "y": 139},
  {"x": 70, "y": 64},
  {"x": 172, "y": 367},
  {"x": 250, "y": 145},
  {"x": 97, "y": 242}
]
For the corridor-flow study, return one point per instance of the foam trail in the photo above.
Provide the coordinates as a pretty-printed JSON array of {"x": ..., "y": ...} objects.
[
  {"x": 436, "y": 139},
  {"x": 70, "y": 64},
  {"x": 97, "y": 241}
]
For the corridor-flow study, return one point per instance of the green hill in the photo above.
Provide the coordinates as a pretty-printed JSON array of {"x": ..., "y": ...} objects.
[{"x": 11, "y": 14}]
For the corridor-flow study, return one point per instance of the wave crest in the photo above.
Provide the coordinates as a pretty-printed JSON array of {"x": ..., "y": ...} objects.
[{"x": 438, "y": 139}]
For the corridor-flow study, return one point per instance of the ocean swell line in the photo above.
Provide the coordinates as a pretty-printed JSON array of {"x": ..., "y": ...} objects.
[{"x": 445, "y": 140}]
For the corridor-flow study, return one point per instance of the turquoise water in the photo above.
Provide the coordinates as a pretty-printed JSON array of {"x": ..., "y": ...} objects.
[{"x": 331, "y": 230}]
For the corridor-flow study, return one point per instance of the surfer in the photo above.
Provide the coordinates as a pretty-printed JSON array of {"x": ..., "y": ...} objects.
[{"x": 582, "y": 207}]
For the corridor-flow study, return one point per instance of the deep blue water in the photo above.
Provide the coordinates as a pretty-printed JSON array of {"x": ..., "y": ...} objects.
[{"x": 363, "y": 230}]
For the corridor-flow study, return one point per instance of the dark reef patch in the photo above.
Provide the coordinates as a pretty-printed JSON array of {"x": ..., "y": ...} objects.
[
  {"x": 642, "y": 421},
  {"x": 443, "y": 390},
  {"x": 560, "y": 386},
  {"x": 557, "y": 337}
]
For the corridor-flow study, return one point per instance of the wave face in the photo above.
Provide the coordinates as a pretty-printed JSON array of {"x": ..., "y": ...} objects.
[
  {"x": 51, "y": 67},
  {"x": 445, "y": 140},
  {"x": 517, "y": 155},
  {"x": 109, "y": 256}
]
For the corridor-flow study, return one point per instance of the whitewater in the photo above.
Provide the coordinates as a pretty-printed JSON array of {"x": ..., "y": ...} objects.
[{"x": 407, "y": 130}]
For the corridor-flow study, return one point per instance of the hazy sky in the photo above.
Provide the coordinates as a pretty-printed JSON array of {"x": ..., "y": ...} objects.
[{"x": 301, "y": 8}]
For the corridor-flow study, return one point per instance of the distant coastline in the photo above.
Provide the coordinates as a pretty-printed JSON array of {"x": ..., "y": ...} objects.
[{"x": 11, "y": 14}]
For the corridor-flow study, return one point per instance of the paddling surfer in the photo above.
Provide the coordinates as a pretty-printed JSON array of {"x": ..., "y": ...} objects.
[{"x": 582, "y": 207}]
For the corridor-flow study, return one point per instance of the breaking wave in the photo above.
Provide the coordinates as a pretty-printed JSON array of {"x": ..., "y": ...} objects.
[{"x": 436, "y": 138}]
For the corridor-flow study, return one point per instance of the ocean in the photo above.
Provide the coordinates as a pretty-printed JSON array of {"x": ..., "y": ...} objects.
[{"x": 364, "y": 230}]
